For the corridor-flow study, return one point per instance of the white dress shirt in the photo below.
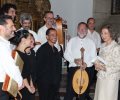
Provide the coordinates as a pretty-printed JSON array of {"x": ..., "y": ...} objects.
[
  {"x": 95, "y": 36},
  {"x": 7, "y": 63},
  {"x": 42, "y": 36},
  {"x": 73, "y": 51}
]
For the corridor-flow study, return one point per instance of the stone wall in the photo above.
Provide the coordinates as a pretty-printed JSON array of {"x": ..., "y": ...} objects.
[
  {"x": 102, "y": 14},
  {"x": 115, "y": 21}
]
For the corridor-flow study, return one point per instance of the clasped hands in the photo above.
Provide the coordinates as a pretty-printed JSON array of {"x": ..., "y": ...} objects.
[
  {"x": 80, "y": 63},
  {"x": 99, "y": 66},
  {"x": 30, "y": 86}
]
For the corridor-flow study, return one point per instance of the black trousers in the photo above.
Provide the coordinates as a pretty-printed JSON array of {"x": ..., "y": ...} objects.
[
  {"x": 69, "y": 89},
  {"x": 47, "y": 91},
  {"x": 3, "y": 95}
]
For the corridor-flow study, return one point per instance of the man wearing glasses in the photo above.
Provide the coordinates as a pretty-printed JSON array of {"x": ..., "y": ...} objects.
[{"x": 49, "y": 23}]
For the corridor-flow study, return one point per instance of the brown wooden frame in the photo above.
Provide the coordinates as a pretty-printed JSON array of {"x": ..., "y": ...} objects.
[{"x": 115, "y": 7}]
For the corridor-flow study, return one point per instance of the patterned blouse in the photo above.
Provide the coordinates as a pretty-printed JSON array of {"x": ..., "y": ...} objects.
[{"x": 111, "y": 54}]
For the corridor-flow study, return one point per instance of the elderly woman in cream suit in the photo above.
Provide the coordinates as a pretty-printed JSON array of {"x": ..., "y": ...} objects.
[{"x": 108, "y": 73}]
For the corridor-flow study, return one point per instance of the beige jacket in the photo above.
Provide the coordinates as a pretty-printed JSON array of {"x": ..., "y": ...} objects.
[{"x": 111, "y": 54}]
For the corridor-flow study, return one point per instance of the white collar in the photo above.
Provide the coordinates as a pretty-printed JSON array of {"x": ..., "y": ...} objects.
[
  {"x": 89, "y": 32},
  {"x": 4, "y": 40}
]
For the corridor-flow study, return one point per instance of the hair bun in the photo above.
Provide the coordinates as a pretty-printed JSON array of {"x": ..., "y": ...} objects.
[{"x": 18, "y": 36}]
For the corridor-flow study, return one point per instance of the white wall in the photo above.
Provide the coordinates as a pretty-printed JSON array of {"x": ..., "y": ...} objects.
[{"x": 74, "y": 11}]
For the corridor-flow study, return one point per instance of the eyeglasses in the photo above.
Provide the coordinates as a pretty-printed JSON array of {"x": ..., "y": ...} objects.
[{"x": 49, "y": 18}]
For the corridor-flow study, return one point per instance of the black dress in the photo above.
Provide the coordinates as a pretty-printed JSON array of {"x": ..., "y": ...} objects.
[
  {"x": 49, "y": 65},
  {"x": 28, "y": 72}
]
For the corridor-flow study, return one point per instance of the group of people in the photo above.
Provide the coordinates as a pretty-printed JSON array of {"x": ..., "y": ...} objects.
[
  {"x": 108, "y": 69},
  {"x": 42, "y": 57},
  {"x": 42, "y": 60}
]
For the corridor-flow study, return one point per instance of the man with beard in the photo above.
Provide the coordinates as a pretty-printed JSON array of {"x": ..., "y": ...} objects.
[
  {"x": 26, "y": 22},
  {"x": 73, "y": 56}
]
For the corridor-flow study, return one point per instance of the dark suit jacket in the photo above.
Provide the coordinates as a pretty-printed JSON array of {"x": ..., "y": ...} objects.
[{"x": 49, "y": 64}]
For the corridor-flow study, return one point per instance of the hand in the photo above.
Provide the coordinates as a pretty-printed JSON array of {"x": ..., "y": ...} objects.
[
  {"x": 32, "y": 86},
  {"x": 83, "y": 66},
  {"x": 33, "y": 89},
  {"x": 30, "y": 89},
  {"x": 31, "y": 83},
  {"x": 78, "y": 62},
  {"x": 99, "y": 66},
  {"x": 21, "y": 86}
]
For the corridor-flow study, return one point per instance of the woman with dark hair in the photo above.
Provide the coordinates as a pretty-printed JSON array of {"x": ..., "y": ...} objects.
[
  {"x": 25, "y": 42},
  {"x": 109, "y": 69}
]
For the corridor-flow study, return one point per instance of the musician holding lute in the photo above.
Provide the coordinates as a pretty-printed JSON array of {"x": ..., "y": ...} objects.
[{"x": 79, "y": 53}]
